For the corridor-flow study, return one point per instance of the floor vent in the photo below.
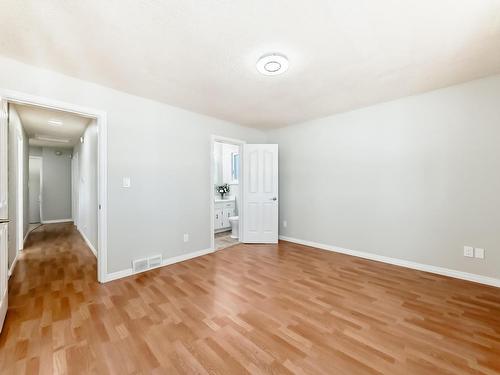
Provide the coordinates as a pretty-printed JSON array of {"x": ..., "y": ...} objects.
[
  {"x": 140, "y": 265},
  {"x": 155, "y": 261}
]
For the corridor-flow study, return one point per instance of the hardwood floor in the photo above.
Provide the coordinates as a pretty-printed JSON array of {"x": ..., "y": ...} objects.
[{"x": 246, "y": 309}]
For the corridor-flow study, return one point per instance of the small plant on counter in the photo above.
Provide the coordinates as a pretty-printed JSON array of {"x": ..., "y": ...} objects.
[{"x": 223, "y": 189}]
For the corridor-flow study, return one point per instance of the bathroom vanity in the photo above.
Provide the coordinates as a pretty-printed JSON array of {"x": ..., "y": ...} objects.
[{"x": 223, "y": 210}]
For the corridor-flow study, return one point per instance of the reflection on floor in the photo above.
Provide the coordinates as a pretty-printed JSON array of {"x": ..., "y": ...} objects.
[
  {"x": 223, "y": 240},
  {"x": 33, "y": 226}
]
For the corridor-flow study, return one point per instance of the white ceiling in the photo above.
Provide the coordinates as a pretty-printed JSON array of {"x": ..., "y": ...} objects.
[
  {"x": 200, "y": 55},
  {"x": 35, "y": 121}
]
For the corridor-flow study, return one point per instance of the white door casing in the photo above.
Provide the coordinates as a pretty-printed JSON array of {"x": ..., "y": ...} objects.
[
  {"x": 260, "y": 193},
  {"x": 75, "y": 192},
  {"x": 4, "y": 213},
  {"x": 20, "y": 195},
  {"x": 4, "y": 201}
]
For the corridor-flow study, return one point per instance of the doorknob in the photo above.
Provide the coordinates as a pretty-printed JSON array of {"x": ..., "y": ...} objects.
[{"x": 274, "y": 199}]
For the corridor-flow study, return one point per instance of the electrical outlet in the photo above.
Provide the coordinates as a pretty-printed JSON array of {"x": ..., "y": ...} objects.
[
  {"x": 479, "y": 253},
  {"x": 186, "y": 237},
  {"x": 285, "y": 224},
  {"x": 468, "y": 251}
]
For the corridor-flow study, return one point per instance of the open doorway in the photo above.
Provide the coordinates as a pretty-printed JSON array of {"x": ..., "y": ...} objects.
[
  {"x": 225, "y": 191},
  {"x": 53, "y": 169}
]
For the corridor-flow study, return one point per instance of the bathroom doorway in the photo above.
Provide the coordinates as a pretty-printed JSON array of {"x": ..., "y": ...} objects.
[{"x": 225, "y": 191}]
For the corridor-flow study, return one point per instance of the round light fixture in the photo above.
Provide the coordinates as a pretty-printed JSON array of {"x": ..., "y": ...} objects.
[{"x": 272, "y": 65}]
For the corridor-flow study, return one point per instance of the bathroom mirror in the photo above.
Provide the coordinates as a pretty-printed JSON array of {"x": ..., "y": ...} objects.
[{"x": 227, "y": 163}]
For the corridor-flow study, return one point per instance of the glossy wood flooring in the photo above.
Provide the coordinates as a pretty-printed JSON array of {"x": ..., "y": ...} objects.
[{"x": 247, "y": 309}]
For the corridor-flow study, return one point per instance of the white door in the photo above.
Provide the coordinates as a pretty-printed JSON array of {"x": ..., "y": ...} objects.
[
  {"x": 260, "y": 193},
  {"x": 35, "y": 168},
  {"x": 4, "y": 213}
]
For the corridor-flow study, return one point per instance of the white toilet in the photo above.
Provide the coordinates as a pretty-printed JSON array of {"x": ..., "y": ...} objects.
[{"x": 235, "y": 224}]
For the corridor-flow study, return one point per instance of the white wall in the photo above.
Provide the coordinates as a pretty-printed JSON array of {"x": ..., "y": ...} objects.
[
  {"x": 56, "y": 184},
  {"x": 35, "y": 151},
  {"x": 34, "y": 184},
  {"x": 415, "y": 179},
  {"x": 166, "y": 152},
  {"x": 87, "y": 181},
  {"x": 16, "y": 130}
]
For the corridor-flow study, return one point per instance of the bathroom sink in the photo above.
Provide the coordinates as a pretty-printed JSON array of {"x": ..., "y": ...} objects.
[{"x": 230, "y": 199}]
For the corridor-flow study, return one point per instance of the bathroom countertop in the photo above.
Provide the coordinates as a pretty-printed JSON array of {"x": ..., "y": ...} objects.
[{"x": 231, "y": 199}]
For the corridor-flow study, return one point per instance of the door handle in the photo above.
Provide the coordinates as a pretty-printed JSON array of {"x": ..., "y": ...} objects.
[{"x": 274, "y": 199}]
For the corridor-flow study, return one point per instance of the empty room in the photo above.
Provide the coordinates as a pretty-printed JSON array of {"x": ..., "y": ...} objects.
[{"x": 250, "y": 187}]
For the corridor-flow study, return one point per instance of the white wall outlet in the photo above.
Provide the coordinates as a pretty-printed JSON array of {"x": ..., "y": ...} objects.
[
  {"x": 186, "y": 237},
  {"x": 285, "y": 223},
  {"x": 479, "y": 253},
  {"x": 126, "y": 182},
  {"x": 468, "y": 251}
]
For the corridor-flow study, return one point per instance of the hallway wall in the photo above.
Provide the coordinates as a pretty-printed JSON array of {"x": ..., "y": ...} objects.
[
  {"x": 87, "y": 190},
  {"x": 16, "y": 130},
  {"x": 56, "y": 184}
]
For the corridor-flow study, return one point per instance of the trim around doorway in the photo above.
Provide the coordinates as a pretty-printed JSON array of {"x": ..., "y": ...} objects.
[{"x": 102, "y": 161}]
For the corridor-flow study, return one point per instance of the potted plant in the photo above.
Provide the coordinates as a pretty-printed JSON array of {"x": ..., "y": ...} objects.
[{"x": 223, "y": 189}]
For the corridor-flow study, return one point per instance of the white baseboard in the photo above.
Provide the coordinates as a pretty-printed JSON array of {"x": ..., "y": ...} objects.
[
  {"x": 29, "y": 231},
  {"x": 400, "y": 262},
  {"x": 179, "y": 258},
  {"x": 13, "y": 265},
  {"x": 56, "y": 221},
  {"x": 87, "y": 241}
]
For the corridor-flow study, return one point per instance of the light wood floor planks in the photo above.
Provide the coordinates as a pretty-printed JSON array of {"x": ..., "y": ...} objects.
[{"x": 247, "y": 309}]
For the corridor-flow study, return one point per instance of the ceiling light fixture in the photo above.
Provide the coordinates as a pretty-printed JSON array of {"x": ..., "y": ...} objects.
[
  {"x": 272, "y": 64},
  {"x": 55, "y": 122},
  {"x": 51, "y": 139}
]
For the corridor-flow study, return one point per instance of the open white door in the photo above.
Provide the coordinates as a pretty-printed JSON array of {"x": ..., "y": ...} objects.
[
  {"x": 260, "y": 193},
  {"x": 4, "y": 212}
]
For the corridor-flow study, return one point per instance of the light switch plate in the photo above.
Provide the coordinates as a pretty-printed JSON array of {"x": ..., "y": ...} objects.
[
  {"x": 186, "y": 237},
  {"x": 285, "y": 223},
  {"x": 479, "y": 253},
  {"x": 126, "y": 182},
  {"x": 468, "y": 251}
]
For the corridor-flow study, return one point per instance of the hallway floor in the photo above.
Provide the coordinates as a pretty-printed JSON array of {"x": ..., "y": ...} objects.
[{"x": 257, "y": 309}]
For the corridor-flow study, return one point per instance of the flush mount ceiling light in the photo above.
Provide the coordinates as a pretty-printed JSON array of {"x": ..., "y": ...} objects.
[
  {"x": 55, "y": 122},
  {"x": 51, "y": 139},
  {"x": 272, "y": 65}
]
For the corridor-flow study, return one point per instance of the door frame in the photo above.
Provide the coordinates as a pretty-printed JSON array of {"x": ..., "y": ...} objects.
[
  {"x": 102, "y": 162},
  {"x": 19, "y": 195},
  {"x": 239, "y": 143},
  {"x": 75, "y": 189},
  {"x": 40, "y": 188}
]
